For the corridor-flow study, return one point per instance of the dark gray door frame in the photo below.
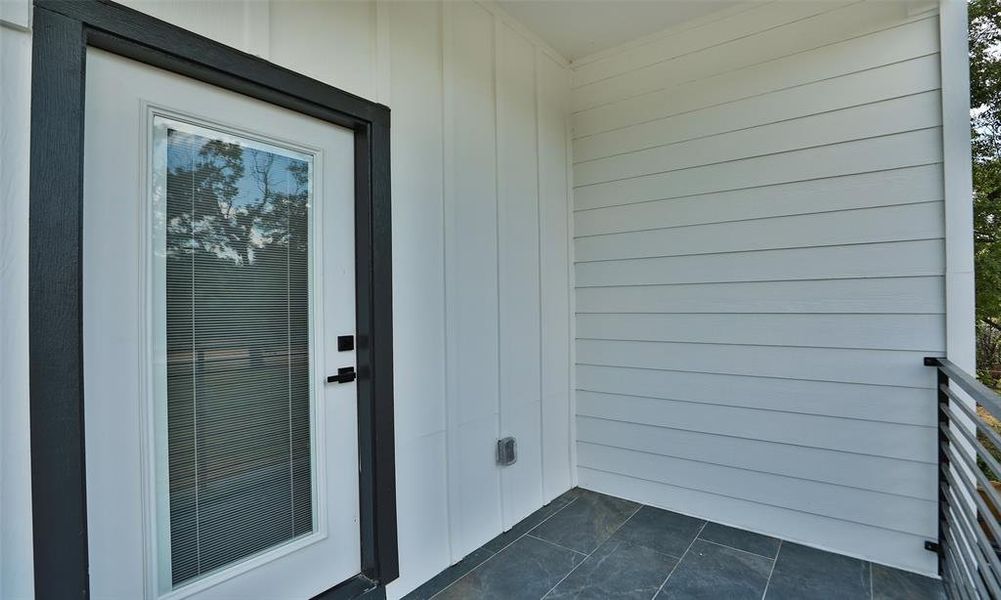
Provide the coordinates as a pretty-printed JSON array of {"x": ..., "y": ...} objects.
[{"x": 63, "y": 30}]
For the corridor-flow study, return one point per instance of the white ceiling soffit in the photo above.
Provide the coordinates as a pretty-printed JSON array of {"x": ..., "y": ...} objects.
[{"x": 577, "y": 28}]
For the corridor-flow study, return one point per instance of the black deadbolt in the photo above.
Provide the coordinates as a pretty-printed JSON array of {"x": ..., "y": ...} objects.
[{"x": 345, "y": 343}]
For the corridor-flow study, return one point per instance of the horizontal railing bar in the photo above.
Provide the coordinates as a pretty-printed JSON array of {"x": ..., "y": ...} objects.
[
  {"x": 971, "y": 576},
  {"x": 983, "y": 509},
  {"x": 982, "y": 546},
  {"x": 994, "y": 437},
  {"x": 983, "y": 395},
  {"x": 961, "y": 587},
  {"x": 962, "y": 507},
  {"x": 979, "y": 448},
  {"x": 956, "y": 579},
  {"x": 992, "y": 494}
]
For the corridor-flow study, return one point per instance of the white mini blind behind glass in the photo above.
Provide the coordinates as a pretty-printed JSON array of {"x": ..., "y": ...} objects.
[{"x": 237, "y": 335}]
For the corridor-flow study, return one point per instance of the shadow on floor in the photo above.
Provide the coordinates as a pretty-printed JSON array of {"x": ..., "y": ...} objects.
[{"x": 586, "y": 545}]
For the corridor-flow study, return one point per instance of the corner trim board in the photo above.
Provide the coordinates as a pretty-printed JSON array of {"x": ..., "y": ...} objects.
[{"x": 63, "y": 30}]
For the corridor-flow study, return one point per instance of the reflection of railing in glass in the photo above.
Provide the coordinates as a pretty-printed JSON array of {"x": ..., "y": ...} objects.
[{"x": 238, "y": 389}]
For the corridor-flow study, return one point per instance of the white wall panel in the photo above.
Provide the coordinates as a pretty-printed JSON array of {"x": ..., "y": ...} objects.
[
  {"x": 329, "y": 41},
  {"x": 518, "y": 264},
  {"x": 238, "y": 23},
  {"x": 554, "y": 280},
  {"x": 471, "y": 263},
  {"x": 414, "y": 32},
  {"x": 759, "y": 272},
  {"x": 15, "y": 468}
]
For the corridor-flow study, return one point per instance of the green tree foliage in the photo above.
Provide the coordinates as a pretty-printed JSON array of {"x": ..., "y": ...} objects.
[{"x": 985, "y": 100}]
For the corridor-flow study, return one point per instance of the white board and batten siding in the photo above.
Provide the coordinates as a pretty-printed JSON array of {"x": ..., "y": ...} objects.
[
  {"x": 481, "y": 295},
  {"x": 758, "y": 237}
]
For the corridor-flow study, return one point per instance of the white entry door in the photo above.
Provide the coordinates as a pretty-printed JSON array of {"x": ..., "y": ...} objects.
[{"x": 218, "y": 273}]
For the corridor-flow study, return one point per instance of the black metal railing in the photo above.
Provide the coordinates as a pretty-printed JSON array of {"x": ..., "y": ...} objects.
[{"x": 969, "y": 537}]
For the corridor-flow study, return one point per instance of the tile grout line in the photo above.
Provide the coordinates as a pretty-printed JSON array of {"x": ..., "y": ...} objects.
[
  {"x": 775, "y": 561},
  {"x": 502, "y": 548},
  {"x": 536, "y": 526},
  {"x": 593, "y": 550},
  {"x": 728, "y": 547},
  {"x": 683, "y": 554},
  {"x": 552, "y": 543}
]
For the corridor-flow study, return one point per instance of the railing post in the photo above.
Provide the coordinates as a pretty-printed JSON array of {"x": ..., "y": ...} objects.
[{"x": 943, "y": 459}]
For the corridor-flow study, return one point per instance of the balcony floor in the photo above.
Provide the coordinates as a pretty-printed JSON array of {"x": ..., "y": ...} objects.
[{"x": 589, "y": 545}]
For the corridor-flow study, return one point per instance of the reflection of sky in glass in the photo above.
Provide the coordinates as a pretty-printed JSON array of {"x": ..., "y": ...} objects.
[{"x": 182, "y": 152}]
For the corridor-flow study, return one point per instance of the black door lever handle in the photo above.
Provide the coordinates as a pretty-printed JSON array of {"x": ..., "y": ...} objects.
[{"x": 344, "y": 375}]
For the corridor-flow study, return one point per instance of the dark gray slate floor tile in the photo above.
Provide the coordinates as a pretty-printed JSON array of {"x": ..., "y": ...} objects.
[
  {"x": 616, "y": 570},
  {"x": 443, "y": 579},
  {"x": 802, "y": 573},
  {"x": 528, "y": 523},
  {"x": 740, "y": 539},
  {"x": 661, "y": 530},
  {"x": 525, "y": 570},
  {"x": 586, "y": 522},
  {"x": 893, "y": 584},
  {"x": 712, "y": 571}
]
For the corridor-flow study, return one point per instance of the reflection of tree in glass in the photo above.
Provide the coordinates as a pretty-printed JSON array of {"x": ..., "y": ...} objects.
[
  {"x": 238, "y": 350},
  {"x": 219, "y": 181}
]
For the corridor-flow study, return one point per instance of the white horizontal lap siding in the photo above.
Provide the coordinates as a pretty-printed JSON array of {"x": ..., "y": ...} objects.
[{"x": 759, "y": 263}]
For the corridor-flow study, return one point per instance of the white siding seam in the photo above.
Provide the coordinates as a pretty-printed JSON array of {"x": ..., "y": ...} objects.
[
  {"x": 923, "y": 536},
  {"x": 768, "y": 218},
  {"x": 870, "y": 313},
  {"x": 448, "y": 200},
  {"x": 765, "y": 124},
  {"x": 932, "y": 500},
  {"x": 744, "y": 67},
  {"x": 752, "y": 96},
  {"x": 745, "y": 407},
  {"x": 730, "y": 312},
  {"x": 696, "y": 50},
  {"x": 571, "y": 295},
  {"x": 747, "y": 345},
  {"x": 666, "y": 370},
  {"x": 537, "y": 89},
  {"x": 752, "y": 250},
  {"x": 729, "y": 281},
  {"x": 768, "y": 185},
  {"x": 766, "y": 441},
  {"x": 763, "y": 155},
  {"x": 497, "y": 24}
]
